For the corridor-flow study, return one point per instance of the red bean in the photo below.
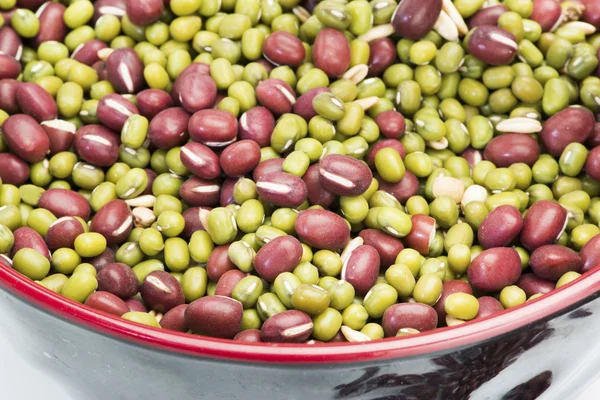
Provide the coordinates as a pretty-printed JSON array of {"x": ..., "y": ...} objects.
[
  {"x": 344, "y": 175},
  {"x": 108, "y": 7},
  {"x": 382, "y": 144},
  {"x": 553, "y": 260},
  {"x": 304, "y": 107},
  {"x": 113, "y": 111},
  {"x": 473, "y": 156},
  {"x": 488, "y": 306},
  {"x": 144, "y": 12},
  {"x": 331, "y": 52},
  {"x": 249, "y": 335},
  {"x": 100, "y": 68},
  {"x": 543, "y": 224},
  {"x": 282, "y": 189},
  {"x": 61, "y": 134},
  {"x": 215, "y": 316},
  {"x": 10, "y": 42},
  {"x": 136, "y": 305},
  {"x": 382, "y": 55},
  {"x": 391, "y": 124},
  {"x": 27, "y": 238},
  {"x": 593, "y": 140},
  {"x": 218, "y": 263},
  {"x": 198, "y": 92},
  {"x": 487, "y": 16},
  {"x": 52, "y": 24},
  {"x": 107, "y": 302},
  {"x": 161, "y": 291},
  {"x": 590, "y": 254},
  {"x": 9, "y": 67},
  {"x": 267, "y": 167},
  {"x": 421, "y": 317},
  {"x": 65, "y": 203},
  {"x": 276, "y": 95},
  {"x": 592, "y": 163},
  {"x": 169, "y": 128},
  {"x": 192, "y": 69},
  {"x": 8, "y": 95},
  {"x": 13, "y": 170},
  {"x": 226, "y": 196},
  {"x": 492, "y": 45},
  {"x": 87, "y": 53},
  {"x": 279, "y": 255},
  {"x": 361, "y": 269},
  {"x": 403, "y": 190},
  {"x": 500, "y": 227},
  {"x": 591, "y": 13},
  {"x": 200, "y": 192},
  {"x": 512, "y": 148},
  {"x": 240, "y": 158},
  {"x": 414, "y": 18},
  {"x": 387, "y": 246},
  {"x": 573, "y": 124},
  {"x": 102, "y": 260},
  {"x": 316, "y": 193},
  {"x": 290, "y": 326},
  {"x": 118, "y": 279},
  {"x": 228, "y": 281},
  {"x": 546, "y": 13},
  {"x": 257, "y": 124},
  {"x": 174, "y": 319},
  {"x": 36, "y": 102},
  {"x": 30, "y": 4},
  {"x": 25, "y": 137},
  {"x": 63, "y": 232},
  {"x": 125, "y": 71},
  {"x": 494, "y": 269},
  {"x": 97, "y": 145},
  {"x": 421, "y": 234},
  {"x": 448, "y": 288},
  {"x": 283, "y": 48},
  {"x": 533, "y": 284},
  {"x": 322, "y": 229},
  {"x": 192, "y": 222},
  {"x": 214, "y": 128},
  {"x": 152, "y": 101},
  {"x": 113, "y": 221},
  {"x": 200, "y": 160}
]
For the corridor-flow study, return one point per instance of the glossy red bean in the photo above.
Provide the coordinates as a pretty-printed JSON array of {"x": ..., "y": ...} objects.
[
  {"x": 543, "y": 224},
  {"x": 573, "y": 124},
  {"x": 118, "y": 279},
  {"x": 322, "y": 229},
  {"x": 200, "y": 192},
  {"x": 487, "y": 16},
  {"x": 200, "y": 160},
  {"x": 382, "y": 55},
  {"x": 174, "y": 319},
  {"x": 391, "y": 124},
  {"x": 257, "y": 124},
  {"x": 102, "y": 260},
  {"x": 192, "y": 222},
  {"x": 283, "y": 48},
  {"x": 533, "y": 284},
  {"x": 63, "y": 232},
  {"x": 546, "y": 13},
  {"x": 331, "y": 52},
  {"x": 552, "y": 261},
  {"x": 421, "y": 317},
  {"x": 344, "y": 175},
  {"x": 25, "y": 138},
  {"x": 393, "y": 143},
  {"x": 276, "y": 95},
  {"x": 218, "y": 263},
  {"x": 9, "y": 67},
  {"x": 52, "y": 24},
  {"x": 87, "y": 53},
  {"x": 403, "y": 190},
  {"x": 192, "y": 69},
  {"x": 169, "y": 128},
  {"x": 109, "y": 7},
  {"x": 290, "y": 326},
  {"x": 448, "y": 288},
  {"x": 361, "y": 268},
  {"x": 488, "y": 306},
  {"x": 107, "y": 302},
  {"x": 152, "y": 101},
  {"x": 36, "y": 102},
  {"x": 421, "y": 234},
  {"x": 267, "y": 167},
  {"x": 492, "y": 45},
  {"x": 240, "y": 158},
  {"x": 590, "y": 254},
  {"x": 500, "y": 227},
  {"x": 512, "y": 148},
  {"x": 8, "y": 95},
  {"x": 249, "y": 335},
  {"x": 494, "y": 269},
  {"x": 27, "y": 238},
  {"x": 279, "y": 255},
  {"x": 215, "y": 316},
  {"x": 592, "y": 163},
  {"x": 61, "y": 134},
  {"x": 198, "y": 92},
  {"x": 65, "y": 203},
  {"x": 10, "y": 42},
  {"x": 161, "y": 291},
  {"x": 228, "y": 281},
  {"x": 226, "y": 196},
  {"x": 282, "y": 189},
  {"x": 144, "y": 12},
  {"x": 13, "y": 170},
  {"x": 97, "y": 145},
  {"x": 304, "y": 107},
  {"x": 414, "y": 18},
  {"x": 113, "y": 221},
  {"x": 387, "y": 246},
  {"x": 316, "y": 193},
  {"x": 214, "y": 128},
  {"x": 125, "y": 71},
  {"x": 113, "y": 111}
]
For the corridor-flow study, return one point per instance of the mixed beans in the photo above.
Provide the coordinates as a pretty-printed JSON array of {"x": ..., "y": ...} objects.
[{"x": 300, "y": 171}]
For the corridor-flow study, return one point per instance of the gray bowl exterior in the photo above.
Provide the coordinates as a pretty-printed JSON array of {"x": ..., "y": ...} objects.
[{"x": 549, "y": 359}]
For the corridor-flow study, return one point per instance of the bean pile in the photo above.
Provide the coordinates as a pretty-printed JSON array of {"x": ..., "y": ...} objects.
[{"x": 294, "y": 171}]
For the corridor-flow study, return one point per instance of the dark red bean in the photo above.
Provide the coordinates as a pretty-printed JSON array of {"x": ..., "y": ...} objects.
[
  {"x": 27, "y": 238},
  {"x": 9, "y": 67},
  {"x": 279, "y": 255},
  {"x": 546, "y": 13},
  {"x": 592, "y": 163},
  {"x": 500, "y": 227},
  {"x": 344, "y": 175},
  {"x": 10, "y": 42},
  {"x": 267, "y": 167},
  {"x": 36, "y": 102},
  {"x": 304, "y": 107},
  {"x": 393, "y": 143},
  {"x": 361, "y": 269},
  {"x": 494, "y": 269},
  {"x": 151, "y": 177},
  {"x": 144, "y": 12},
  {"x": 488, "y": 306},
  {"x": 125, "y": 71},
  {"x": 136, "y": 305},
  {"x": 13, "y": 170},
  {"x": 87, "y": 53},
  {"x": 218, "y": 263},
  {"x": 228, "y": 281},
  {"x": 226, "y": 196},
  {"x": 25, "y": 137},
  {"x": 473, "y": 156},
  {"x": 487, "y": 16},
  {"x": 533, "y": 284},
  {"x": 8, "y": 95},
  {"x": 403, "y": 190},
  {"x": 161, "y": 291},
  {"x": 331, "y": 52},
  {"x": 421, "y": 234},
  {"x": 512, "y": 148},
  {"x": 283, "y": 48},
  {"x": 414, "y": 18},
  {"x": 316, "y": 193},
  {"x": 107, "y": 302},
  {"x": 257, "y": 124},
  {"x": 52, "y": 24},
  {"x": 322, "y": 229},
  {"x": 492, "y": 45},
  {"x": 543, "y": 224},
  {"x": 408, "y": 315},
  {"x": 102, "y": 260},
  {"x": 61, "y": 134},
  {"x": 290, "y": 326},
  {"x": 192, "y": 222},
  {"x": 113, "y": 221},
  {"x": 198, "y": 92},
  {"x": 215, "y": 316},
  {"x": 118, "y": 279},
  {"x": 200, "y": 192},
  {"x": 249, "y": 335},
  {"x": 282, "y": 189},
  {"x": 590, "y": 254},
  {"x": 593, "y": 140},
  {"x": 169, "y": 128},
  {"x": 109, "y": 7},
  {"x": 100, "y": 68},
  {"x": 97, "y": 145},
  {"x": 113, "y": 111},
  {"x": 63, "y": 232},
  {"x": 573, "y": 124},
  {"x": 338, "y": 338},
  {"x": 200, "y": 160},
  {"x": 552, "y": 261},
  {"x": 387, "y": 246},
  {"x": 448, "y": 288},
  {"x": 240, "y": 158},
  {"x": 65, "y": 203},
  {"x": 214, "y": 128},
  {"x": 30, "y": 4},
  {"x": 174, "y": 319},
  {"x": 391, "y": 124},
  {"x": 152, "y": 101},
  {"x": 192, "y": 69},
  {"x": 276, "y": 95},
  {"x": 382, "y": 55},
  {"x": 591, "y": 13}
]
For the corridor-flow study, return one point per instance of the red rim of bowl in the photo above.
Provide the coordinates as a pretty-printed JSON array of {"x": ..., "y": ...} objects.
[{"x": 428, "y": 342}]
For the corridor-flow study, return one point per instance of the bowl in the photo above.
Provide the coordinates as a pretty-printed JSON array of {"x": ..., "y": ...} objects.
[{"x": 547, "y": 347}]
